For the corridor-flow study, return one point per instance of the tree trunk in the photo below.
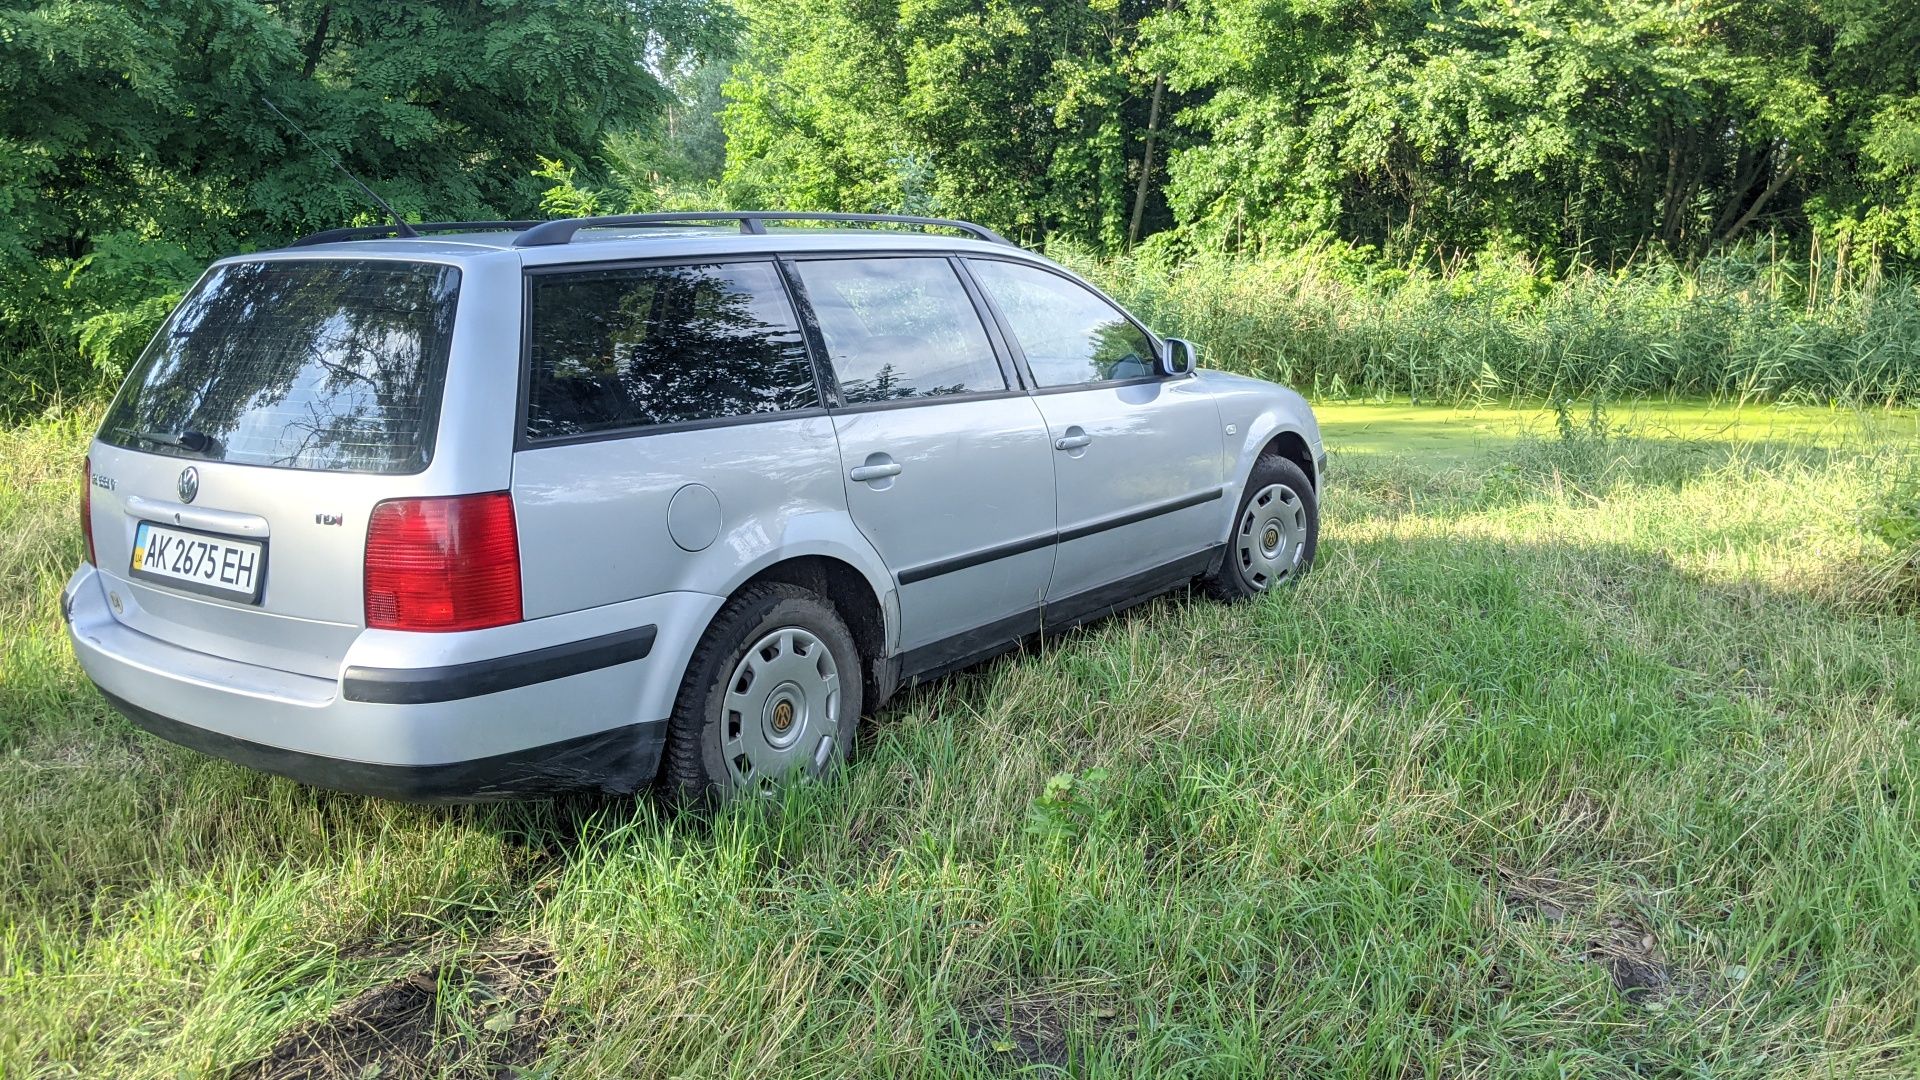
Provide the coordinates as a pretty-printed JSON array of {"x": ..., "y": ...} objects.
[
  {"x": 317, "y": 43},
  {"x": 1146, "y": 160},
  {"x": 1779, "y": 181},
  {"x": 1747, "y": 173}
]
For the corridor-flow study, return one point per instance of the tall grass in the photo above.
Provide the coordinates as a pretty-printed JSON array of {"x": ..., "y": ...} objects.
[{"x": 1745, "y": 327}]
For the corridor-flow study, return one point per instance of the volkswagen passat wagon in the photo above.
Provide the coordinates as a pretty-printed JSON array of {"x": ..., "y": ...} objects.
[{"x": 487, "y": 509}]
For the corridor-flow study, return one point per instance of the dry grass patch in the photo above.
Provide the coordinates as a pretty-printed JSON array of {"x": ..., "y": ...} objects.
[{"x": 480, "y": 1015}]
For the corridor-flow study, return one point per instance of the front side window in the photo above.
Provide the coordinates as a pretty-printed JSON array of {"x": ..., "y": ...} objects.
[
  {"x": 899, "y": 328},
  {"x": 1069, "y": 334},
  {"x": 325, "y": 364},
  {"x": 644, "y": 346}
]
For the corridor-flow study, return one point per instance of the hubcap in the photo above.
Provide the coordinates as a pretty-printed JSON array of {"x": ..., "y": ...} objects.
[
  {"x": 781, "y": 713},
  {"x": 1271, "y": 537}
]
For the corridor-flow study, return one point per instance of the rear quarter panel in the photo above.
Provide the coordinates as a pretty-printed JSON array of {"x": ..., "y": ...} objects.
[{"x": 700, "y": 511}]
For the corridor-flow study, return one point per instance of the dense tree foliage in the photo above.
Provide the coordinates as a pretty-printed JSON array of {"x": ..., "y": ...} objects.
[
  {"x": 1600, "y": 126},
  {"x": 134, "y": 145},
  {"x": 1017, "y": 113}
]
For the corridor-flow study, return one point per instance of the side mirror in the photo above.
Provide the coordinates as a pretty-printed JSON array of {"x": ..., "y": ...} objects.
[{"x": 1181, "y": 358}]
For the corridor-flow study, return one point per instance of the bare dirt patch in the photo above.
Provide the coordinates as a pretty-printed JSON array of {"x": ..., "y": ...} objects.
[
  {"x": 480, "y": 1015},
  {"x": 1631, "y": 955},
  {"x": 1019, "y": 1029},
  {"x": 1625, "y": 946}
]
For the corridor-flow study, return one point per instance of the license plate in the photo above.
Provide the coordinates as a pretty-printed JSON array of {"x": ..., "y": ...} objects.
[{"x": 200, "y": 562}]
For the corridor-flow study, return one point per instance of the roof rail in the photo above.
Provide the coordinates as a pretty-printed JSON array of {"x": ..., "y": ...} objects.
[
  {"x": 561, "y": 231},
  {"x": 375, "y": 232}
]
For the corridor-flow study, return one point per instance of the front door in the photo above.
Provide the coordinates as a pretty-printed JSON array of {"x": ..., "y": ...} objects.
[
  {"x": 1137, "y": 458},
  {"x": 949, "y": 471}
]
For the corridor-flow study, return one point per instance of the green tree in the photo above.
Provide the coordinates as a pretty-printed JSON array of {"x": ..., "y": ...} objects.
[
  {"x": 1027, "y": 117},
  {"x": 1605, "y": 126},
  {"x": 134, "y": 146}
]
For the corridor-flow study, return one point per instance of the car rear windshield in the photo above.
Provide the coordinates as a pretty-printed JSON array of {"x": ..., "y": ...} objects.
[{"x": 328, "y": 364}]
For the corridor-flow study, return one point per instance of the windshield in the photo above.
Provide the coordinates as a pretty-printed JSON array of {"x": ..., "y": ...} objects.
[{"x": 315, "y": 364}]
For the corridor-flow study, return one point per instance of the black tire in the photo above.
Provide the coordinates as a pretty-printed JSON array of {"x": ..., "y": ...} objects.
[
  {"x": 698, "y": 767},
  {"x": 1245, "y": 573}
]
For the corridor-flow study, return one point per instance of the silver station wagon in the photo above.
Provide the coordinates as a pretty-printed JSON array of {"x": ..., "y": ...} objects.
[{"x": 472, "y": 510}]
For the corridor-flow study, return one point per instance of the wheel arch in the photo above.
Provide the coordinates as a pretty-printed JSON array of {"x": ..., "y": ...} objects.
[
  {"x": 1291, "y": 445},
  {"x": 852, "y": 594}
]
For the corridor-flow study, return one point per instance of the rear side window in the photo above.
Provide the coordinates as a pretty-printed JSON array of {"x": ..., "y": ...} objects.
[
  {"x": 1070, "y": 335},
  {"x": 331, "y": 364},
  {"x": 899, "y": 328},
  {"x": 645, "y": 346}
]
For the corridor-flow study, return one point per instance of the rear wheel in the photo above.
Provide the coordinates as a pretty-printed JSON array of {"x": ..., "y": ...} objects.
[
  {"x": 1275, "y": 532},
  {"x": 772, "y": 696}
]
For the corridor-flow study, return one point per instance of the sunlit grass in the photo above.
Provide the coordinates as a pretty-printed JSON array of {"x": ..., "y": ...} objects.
[{"x": 1455, "y": 434}]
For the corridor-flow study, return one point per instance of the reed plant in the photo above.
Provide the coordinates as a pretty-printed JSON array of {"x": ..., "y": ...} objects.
[{"x": 1748, "y": 326}]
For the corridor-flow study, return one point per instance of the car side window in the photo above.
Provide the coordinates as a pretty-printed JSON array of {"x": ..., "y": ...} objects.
[
  {"x": 650, "y": 345},
  {"x": 899, "y": 328},
  {"x": 1070, "y": 335}
]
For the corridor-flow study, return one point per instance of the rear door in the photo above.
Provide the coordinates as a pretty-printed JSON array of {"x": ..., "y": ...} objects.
[
  {"x": 946, "y": 462},
  {"x": 1137, "y": 457},
  {"x": 234, "y": 473}
]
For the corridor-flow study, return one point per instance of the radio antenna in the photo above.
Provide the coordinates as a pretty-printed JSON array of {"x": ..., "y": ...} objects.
[{"x": 399, "y": 223}]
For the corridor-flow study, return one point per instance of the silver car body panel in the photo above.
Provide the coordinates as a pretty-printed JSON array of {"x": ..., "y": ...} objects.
[
  {"x": 594, "y": 516},
  {"x": 310, "y": 609},
  {"x": 1255, "y": 413},
  {"x": 1145, "y": 486},
  {"x": 651, "y": 530},
  {"x": 966, "y": 525}
]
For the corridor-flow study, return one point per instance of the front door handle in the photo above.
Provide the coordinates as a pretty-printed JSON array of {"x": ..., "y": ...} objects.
[
  {"x": 865, "y": 473},
  {"x": 1072, "y": 442}
]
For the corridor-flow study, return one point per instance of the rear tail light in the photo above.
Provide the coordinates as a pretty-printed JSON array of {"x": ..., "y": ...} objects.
[
  {"x": 443, "y": 564},
  {"x": 86, "y": 508}
]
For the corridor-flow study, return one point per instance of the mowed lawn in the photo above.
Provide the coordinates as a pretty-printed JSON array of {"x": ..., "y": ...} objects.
[{"x": 1575, "y": 757}]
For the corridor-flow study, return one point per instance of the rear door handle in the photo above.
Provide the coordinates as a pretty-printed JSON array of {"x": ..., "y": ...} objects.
[
  {"x": 875, "y": 472},
  {"x": 1072, "y": 442}
]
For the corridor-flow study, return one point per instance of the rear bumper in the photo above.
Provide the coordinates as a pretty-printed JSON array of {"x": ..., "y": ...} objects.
[
  {"x": 571, "y": 702},
  {"x": 622, "y": 760}
]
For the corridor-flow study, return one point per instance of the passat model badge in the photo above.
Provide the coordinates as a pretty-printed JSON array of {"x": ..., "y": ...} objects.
[{"x": 189, "y": 485}]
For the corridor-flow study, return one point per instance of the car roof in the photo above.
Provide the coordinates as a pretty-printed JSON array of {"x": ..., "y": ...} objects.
[
  {"x": 602, "y": 244},
  {"x": 612, "y": 243}
]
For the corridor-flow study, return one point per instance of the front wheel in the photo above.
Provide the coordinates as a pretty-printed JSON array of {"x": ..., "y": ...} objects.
[
  {"x": 772, "y": 696},
  {"x": 1274, "y": 533}
]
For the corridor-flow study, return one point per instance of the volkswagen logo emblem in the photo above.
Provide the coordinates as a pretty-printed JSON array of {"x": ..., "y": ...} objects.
[{"x": 189, "y": 485}]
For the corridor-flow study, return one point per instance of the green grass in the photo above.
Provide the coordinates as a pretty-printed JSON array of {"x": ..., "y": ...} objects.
[
  {"x": 1552, "y": 720},
  {"x": 1459, "y": 434}
]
